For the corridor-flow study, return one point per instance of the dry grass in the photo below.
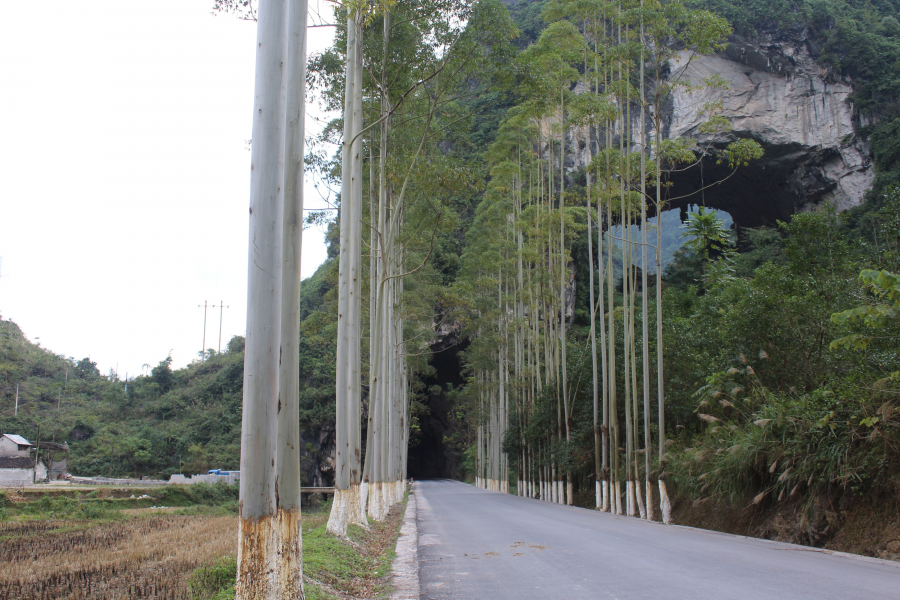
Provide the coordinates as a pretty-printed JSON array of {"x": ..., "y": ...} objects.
[
  {"x": 140, "y": 557},
  {"x": 154, "y": 556},
  {"x": 150, "y": 511}
]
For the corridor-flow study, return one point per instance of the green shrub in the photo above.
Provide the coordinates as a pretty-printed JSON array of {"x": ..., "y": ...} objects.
[
  {"x": 93, "y": 510},
  {"x": 199, "y": 493},
  {"x": 774, "y": 445},
  {"x": 214, "y": 581}
]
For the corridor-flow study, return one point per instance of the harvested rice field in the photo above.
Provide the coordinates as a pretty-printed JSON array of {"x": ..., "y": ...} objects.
[
  {"x": 141, "y": 557},
  {"x": 151, "y": 553}
]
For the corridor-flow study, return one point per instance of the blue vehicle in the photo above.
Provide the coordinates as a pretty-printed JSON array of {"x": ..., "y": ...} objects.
[{"x": 222, "y": 472}]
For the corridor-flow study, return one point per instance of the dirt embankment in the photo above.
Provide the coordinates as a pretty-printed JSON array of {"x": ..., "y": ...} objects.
[{"x": 870, "y": 527}]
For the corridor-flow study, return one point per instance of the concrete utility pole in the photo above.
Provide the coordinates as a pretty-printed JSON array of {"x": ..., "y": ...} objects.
[
  {"x": 221, "y": 308},
  {"x": 203, "y": 348},
  {"x": 17, "y": 401}
]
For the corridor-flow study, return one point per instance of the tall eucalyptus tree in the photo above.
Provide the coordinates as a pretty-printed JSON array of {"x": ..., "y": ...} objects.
[
  {"x": 622, "y": 88},
  {"x": 416, "y": 67},
  {"x": 270, "y": 553},
  {"x": 672, "y": 37},
  {"x": 349, "y": 504}
]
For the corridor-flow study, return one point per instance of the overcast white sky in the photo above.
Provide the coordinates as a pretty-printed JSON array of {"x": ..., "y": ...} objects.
[{"x": 124, "y": 176}]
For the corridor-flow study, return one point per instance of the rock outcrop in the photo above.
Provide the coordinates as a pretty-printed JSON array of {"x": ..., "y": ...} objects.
[{"x": 779, "y": 96}]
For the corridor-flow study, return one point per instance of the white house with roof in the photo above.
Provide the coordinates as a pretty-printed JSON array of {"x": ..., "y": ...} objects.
[
  {"x": 14, "y": 445},
  {"x": 17, "y": 467}
]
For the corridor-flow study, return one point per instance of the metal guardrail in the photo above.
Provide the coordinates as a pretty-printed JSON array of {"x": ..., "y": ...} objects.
[
  {"x": 112, "y": 481},
  {"x": 313, "y": 490},
  {"x": 154, "y": 482}
]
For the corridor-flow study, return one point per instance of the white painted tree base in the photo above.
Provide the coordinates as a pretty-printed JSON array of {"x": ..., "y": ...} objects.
[
  {"x": 388, "y": 494},
  {"x": 376, "y": 509},
  {"x": 640, "y": 500},
  {"x": 620, "y": 510},
  {"x": 629, "y": 499},
  {"x": 399, "y": 489},
  {"x": 347, "y": 508},
  {"x": 650, "y": 513},
  {"x": 270, "y": 557},
  {"x": 363, "y": 499},
  {"x": 604, "y": 498},
  {"x": 339, "y": 517},
  {"x": 664, "y": 505}
]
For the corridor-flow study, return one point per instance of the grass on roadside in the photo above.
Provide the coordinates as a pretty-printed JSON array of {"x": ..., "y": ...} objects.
[{"x": 357, "y": 567}]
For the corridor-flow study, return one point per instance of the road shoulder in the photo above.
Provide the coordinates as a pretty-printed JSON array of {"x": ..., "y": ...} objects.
[{"x": 405, "y": 568}]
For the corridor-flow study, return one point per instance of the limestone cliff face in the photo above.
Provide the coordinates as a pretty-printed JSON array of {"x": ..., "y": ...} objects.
[{"x": 778, "y": 96}]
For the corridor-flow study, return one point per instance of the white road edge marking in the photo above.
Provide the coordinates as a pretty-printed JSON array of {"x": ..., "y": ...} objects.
[{"x": 405, "y": 568}]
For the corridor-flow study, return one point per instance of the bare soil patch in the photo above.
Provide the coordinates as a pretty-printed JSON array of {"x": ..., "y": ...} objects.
[{"x": 869, "y": 527}]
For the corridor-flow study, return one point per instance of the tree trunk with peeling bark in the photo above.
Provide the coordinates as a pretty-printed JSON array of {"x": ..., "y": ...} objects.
[{"x": 270, "y": 553}]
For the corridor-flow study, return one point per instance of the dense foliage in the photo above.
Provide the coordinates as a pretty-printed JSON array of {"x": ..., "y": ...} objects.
[
  {"x": 770, "y": 400},
  {"x": 858, "y": 41},
  {"x": 781, "y": 346},
  {"x": 165, "y": 421}
]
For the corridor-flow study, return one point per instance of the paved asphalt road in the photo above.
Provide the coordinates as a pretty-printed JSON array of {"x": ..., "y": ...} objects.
[{"x": 475, "y": 544}]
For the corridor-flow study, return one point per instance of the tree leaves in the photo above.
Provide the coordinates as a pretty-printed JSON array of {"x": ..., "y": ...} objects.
[{"x": 885, "y": 288}]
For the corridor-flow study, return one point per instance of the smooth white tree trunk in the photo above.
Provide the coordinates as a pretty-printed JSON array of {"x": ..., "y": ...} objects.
[
  {"x": 642, "y": 511},
  {"x": 629, "y": 499},
  {"x": 269, "y": 542},
  {"x": 664, "y": 504},
  {"x": 346, "y": 507}
]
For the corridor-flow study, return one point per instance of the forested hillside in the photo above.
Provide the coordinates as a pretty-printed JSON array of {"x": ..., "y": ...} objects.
[
  {"x": 771, "y": 391},
  {"x": 164, "y": 421},
  {"x": 190, "y": 416},
  {"x": 754, "y": 386}
]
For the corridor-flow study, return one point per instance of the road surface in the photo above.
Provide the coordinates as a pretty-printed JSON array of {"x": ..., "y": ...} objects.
[{"x": 475, "y": 544}]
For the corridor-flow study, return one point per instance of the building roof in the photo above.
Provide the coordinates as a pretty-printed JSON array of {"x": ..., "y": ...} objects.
[
  {"x": 18, "y": 439},
  {"x": 52, "y": 446},
  {"x": 16, "y": 462}
]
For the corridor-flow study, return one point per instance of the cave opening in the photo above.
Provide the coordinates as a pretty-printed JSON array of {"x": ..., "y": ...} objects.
[
  {"x": 429, "y": 457},
  {"x": 785, "y": 181}
]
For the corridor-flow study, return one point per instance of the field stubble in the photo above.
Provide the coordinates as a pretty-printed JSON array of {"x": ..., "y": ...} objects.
[
  {"x": 134, "y": 558},
  {"x": 182, "y": 556}
]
